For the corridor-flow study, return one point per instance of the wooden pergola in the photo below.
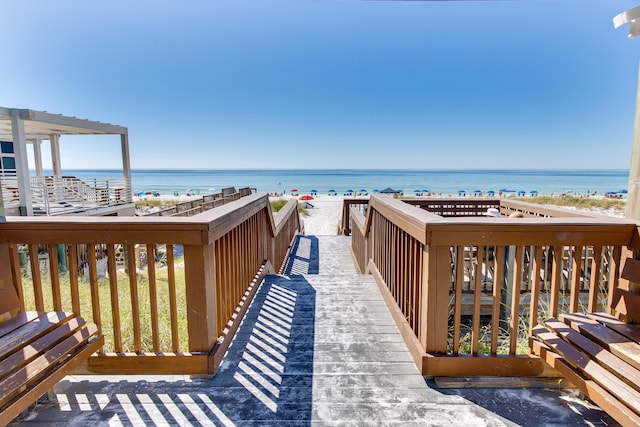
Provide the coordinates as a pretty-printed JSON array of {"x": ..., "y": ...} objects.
[{"x": 25, "y": 126}]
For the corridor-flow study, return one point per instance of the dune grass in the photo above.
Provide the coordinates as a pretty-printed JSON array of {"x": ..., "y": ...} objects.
[
  {"x": 125, "y": 306},
  {"x": 278, "y": 204},
  {"x": 579, "y": 202}
]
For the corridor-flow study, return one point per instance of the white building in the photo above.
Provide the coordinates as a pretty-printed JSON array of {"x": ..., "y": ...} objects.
[{"x": 57, "y": 194}]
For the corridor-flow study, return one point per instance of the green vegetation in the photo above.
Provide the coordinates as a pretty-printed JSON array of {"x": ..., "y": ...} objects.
[
  {"x": 152, "y": 203},
  {"x": 125, "y": 306},
  {"x": 579, "y": 202},
  {"x": 278, "y": 204}
]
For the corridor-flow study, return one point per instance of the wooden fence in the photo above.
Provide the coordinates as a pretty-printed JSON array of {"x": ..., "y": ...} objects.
[
  {"x": 176, "y": 314},
  {"x": 466, "y": 290}
]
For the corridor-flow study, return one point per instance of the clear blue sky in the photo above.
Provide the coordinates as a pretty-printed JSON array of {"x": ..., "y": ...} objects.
[{"x": 331, "y": 83}]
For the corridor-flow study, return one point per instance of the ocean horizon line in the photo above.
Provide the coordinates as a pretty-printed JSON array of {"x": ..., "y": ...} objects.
[{"x": 360, "y": 169}]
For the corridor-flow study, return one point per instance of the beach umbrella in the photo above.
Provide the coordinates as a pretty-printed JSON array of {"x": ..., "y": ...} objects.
[
  {"x": 461, "y": 191},
  {"x": 388, "y": 190},
  {"x": 314, "y": 191},
  {"x": 375, "y": 190},
  {"x": 349, "y": 191},
  {"x": 507, "y": 190},
  {"x": 424, "y": 190},
  {"x": 363, "y": 190},
  {"x": 306, "y": 197},
  {"x": 417, "y": 191},
  {"x": 623, "y": 191},
  {"x": 332, "y": 191},
  {"x": 294, "y": 190},
  {"x": 477, "y": 191},
  {"x": 533, "y": 192},
  {"x": 521, "y": 193},
  {"x": 491, "y": 192}
]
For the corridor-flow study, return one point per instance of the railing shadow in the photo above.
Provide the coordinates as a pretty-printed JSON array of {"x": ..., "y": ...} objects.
[
  {"x": 265, "y": 377},
  {"x": 304, "y": 258}
]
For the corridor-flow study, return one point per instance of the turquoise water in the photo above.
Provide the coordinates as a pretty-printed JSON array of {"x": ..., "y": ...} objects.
[{"x": 322, "y": 180}]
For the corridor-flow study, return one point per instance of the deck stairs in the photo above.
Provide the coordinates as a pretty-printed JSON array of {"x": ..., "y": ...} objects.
[{"x": 317, "y": 347}]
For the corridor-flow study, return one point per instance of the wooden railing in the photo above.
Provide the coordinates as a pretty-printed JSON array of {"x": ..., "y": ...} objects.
[
  {"x": 204, "y": 203},
  {"x": 175, "y": 312},
  {"x": 466, "y": 291}
]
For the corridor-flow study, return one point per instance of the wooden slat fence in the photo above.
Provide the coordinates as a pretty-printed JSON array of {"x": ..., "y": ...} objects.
[
  {"x": 177, "y": 313},
  {"x": 465, "y": 291}
]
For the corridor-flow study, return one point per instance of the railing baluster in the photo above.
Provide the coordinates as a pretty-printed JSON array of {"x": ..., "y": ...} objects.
[
  {"x": 594, "y": 279},
  {"x": 457, "y": 309},
  {"x": 535, "y": 287},
  {"x": 575, "y": 279},
  {"x": 173, "y": 299},
  {"x": 93, "y": 284},
  {"x": 115, "y": 299},
  {"x": 73, "y": 279},
  {"x": 514, "y": 320},
  {"x": 498, "y": 279},
  {"x": 153, "y": 296},
  {"x": 477, "y": 294},
  {"x": 556, "y": 281},
  {"x": 35, "y": 277},
  {"x": 54, "y": 274},
  {"x": 135, "y": 304}
]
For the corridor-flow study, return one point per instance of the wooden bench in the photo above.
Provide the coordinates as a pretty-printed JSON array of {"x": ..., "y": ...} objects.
[
  {"x": 599, "y": 354},
  {"x": 38, "y": 349}
]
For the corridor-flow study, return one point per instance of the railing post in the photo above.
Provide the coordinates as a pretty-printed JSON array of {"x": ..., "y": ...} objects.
[
  {"x": 434, "y": 306},
  {"x": 200, "y": 283}
]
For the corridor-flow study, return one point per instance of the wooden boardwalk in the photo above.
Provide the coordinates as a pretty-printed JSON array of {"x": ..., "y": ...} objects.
[{"x": 317, "y": 347}]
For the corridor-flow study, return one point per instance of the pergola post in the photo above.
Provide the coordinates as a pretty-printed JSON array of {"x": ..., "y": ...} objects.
[
  {"x": 126, "y": 162},
  {"x": 37, "y": 157},
  {"x": 22, "y": 163},
  {"x": 55, "y": 156}
]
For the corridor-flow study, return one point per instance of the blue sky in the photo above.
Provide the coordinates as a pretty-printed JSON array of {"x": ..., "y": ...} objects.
[{"x": 330, "y": 83}]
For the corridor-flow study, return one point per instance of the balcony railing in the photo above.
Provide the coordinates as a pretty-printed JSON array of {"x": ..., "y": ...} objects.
[
  {"x": 167, "y": 292},
  {"x": 68, "y": 195},
  {"x": 466, "y": 289}
]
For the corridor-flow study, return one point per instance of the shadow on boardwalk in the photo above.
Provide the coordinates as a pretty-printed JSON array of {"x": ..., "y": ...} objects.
[{"x": 266, "y": 377}]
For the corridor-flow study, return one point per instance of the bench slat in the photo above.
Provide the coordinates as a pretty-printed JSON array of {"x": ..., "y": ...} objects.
[
  {"x": 30, "y": 374},
  {"x": 601, "y": 397},
  {"x": 613, "y": 364},
  {"x": 628, "y": 330},
  {"x": 600, "y": 375},
  {"x": 23, "y": 354},
  {"x": 23, "y": 400},
  {"x": 31, "y": 331},
  {"x": 18, "y": 321},
  {"x": 626, "y": 349}
]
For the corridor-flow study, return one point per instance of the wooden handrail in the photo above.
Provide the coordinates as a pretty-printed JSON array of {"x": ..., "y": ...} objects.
[
  {"x": 226, "y": 252},
  {"x": 435, "y": 270}
]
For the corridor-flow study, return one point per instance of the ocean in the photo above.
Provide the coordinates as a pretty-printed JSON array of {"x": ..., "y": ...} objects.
[{"x": 304, "y": 180}]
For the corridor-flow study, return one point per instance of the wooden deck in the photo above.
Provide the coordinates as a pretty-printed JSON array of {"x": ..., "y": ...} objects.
[{"x": 317, "y": 347}]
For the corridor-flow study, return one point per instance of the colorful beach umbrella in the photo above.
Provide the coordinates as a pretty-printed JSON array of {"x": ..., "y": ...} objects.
[
  {"x": 332, "y": 191},
  {"x": 363, "y": 190},
  {"x": 533, "y": 192},
  {"x": 424, "y": 190},
  {"x": 417, "y": 191},
  {"x": 306, "y": 197},
  {"x": 294, "y": 190},
  {"x": 349, "y": 191},
  {"x": 375, "y": 190},
  {"x": 507, "y": 190},
  {"x": 477, "y": 191},
  {"x": 314, "y": 191}
]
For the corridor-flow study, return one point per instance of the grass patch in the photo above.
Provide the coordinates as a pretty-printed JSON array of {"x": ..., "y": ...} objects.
[
  {"x": 579, "y": 202},
  {"x": 278, "y": 204},
  {"x": 154, "y": 203},
  {"x": 125, "y": 306}
]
